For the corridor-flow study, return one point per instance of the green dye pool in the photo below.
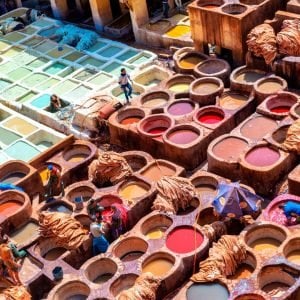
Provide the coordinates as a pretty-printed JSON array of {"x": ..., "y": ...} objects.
[
  {"x": 100, "y": 79},
  {"x": 4, "y": 84},
  {"x": 8, "y": 67},
  {"x": 21, "y": 150},
  {"x": 140, "y": 60},
  {"x": 114, "y": 68},
  {"x": 14, "y": 92},
  {"x": 42, "y": 23},
  {"x": 11, "y": 52},
  {"x": 34, "y": 79},
  {"x": 4, "y": 45},
  {"x": 47, "y": 84},
  {"x": 18, "y": 73},
  {"x": 41, "y": 102},
  {"x": 45, "y": 46},
  {"x": 14, "y": 36},
  {"x": 93, "y": 62},
  {"x": 74, "y": 56},
  {"x": 3, "y": 158},
  {"x": 84, "y": 75},
  {"x": 32, "y": 41},
  {"x": 66, "y": 72},
  {"x": 27, "y": 97},
  {"x": 64, "y": 87},
  {"x": 44, "y": 145},
  {"x": 127, "y": 55},
  {"x": 24, "y": 58},
  {"x": 48, "y": 32},
  {"x": 97, "y": 46},
  {"x": 110, "y": 51},
  {"x": 29, "y": 30},
  {"x": 7, "y": 137},
  {"x": 78, "y": 93},
  {"x": 37, "y": 63},
  {"x": 55, "y": 68},
  {"x": 59, "y": 52}
]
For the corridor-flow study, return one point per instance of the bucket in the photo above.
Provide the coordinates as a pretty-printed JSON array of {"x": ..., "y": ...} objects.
[
  {"x": 78, "y": 202},
  {"x": 58, "y": 273}
]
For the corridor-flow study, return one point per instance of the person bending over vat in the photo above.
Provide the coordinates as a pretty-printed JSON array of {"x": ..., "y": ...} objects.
[
  {"x": 94, "y": 209},
  {"x": 54, "y": 182},
  {"x": 125, "y": 85},
  {"x": 99, "y": 231},
  {"x": 55, "y": 104},
  {"x": 291, "y": 210}
]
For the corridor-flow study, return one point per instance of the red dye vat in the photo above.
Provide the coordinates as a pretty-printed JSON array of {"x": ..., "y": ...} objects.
[
  {"x": 184, "y": 240},
  {"x": 210, "y": 118},
  {"x": 182, "y": 108},
  {"x": 9, "y": 207},
  {"x": 281, "y": 109},
  {"x": 262, "y": 156},
  {"x": 182, "y": 136},
  {"x": 157, "y": 130},
  {"x": 130, "y": 120}
]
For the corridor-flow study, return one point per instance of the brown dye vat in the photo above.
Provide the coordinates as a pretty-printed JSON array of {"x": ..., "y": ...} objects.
[
  {"x": 234, "y": 9},
  {"x": 292, "y": 251},
  {"x": 249, "y": 297},
  {"x": 207, "y": 216},
  {"x": 230, "y": 148},
  {"x": 155, "y": 99},
  {"x": 183, "y": 136},
  {"x": 130, "y": 116},
  {"x": 54, "y": 253},
  {"x": 206, "y": 186},
  {"x": 83, "y": 191},
  {"x": 77, "y": 153},
  {"x": 124, "y": 282},
  {"x": 276, "y": 289},
  {"x": 248, "y": 76},
  {"x": 185, "y": 63},
  {"x": 232, "y": 101},
  {"x": 72, "y": 290},
  {"x": 159, "y": 26},
  {"x": 158, "y": 170},
  {"x": 136, "y": 160},
  {"x": 262, "y": 156},
  {"x": 206, "y": 88},
  {"x": 270, "y": 87},
  {"x": 279, "y": 135},
  {"x": 256, "y": 128},
  {"x": 243, "y": 271}
]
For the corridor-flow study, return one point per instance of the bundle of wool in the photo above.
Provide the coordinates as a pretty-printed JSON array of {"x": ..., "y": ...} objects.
[
  {"x": 174, "y": 193},
  {"x": 18, "y": 292},
  {"x": 65, "y": 231},
  {"x": 224, "y": 258},
  {"x": 261, "y": 42},
  {"x": 215, "y": 230},
  {"x": 292, "y": 140}
]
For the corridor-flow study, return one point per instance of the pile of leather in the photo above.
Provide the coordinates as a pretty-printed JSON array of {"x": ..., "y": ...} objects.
[
  {"x": 16, "y": 293},
  {"x": 215, "y": 230},
  {"x": 292, "y": 140},
  {"x": 288, "y": 39},
  {"x": 65, "y": 231},
  {"x": 261, "y": 42},
  {"x": 224, "y": 258},
  {"x": 174, "y": 193},
  {"x": 109, "y": 167},
  {"x": 144, "y": 288}
]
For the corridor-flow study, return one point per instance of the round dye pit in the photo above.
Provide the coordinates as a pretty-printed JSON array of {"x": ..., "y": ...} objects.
[
  {"x": 155, "y": 125},
  {"x": 130, "y": 116},
  {"x": 131, "y": 120},
  {"x": 265, "y": 244},
  {"x": 276, "y": 289},
  {"x": 292, "y": 251},
  {"x": 60, "y": 208},
  {"x": 189, "y": 61},
  {"x": 156, "y": 232},
  {"x": 9, "y": 207},
  {"x": 179, "y": 87},
  {"x": 157, "y": 170},
  {"x": 263, "y": 156},
  {"x": 83, "y": 191},
  {"x": 133, "y": 191},
  {"x": 269, "y": 86},
  {"x": 230, "y": 148},
  {"x": 248, "y": 76},
  {"x": 204, "y": 291},
  {"x": 73, "y": 290},
  {"x": 234, "y": 9},
  {"x": 184, "y": 240},
  {"x": 244, "y": 271},
  {"x": 281, "y": 103},
  {"x": 13, "y": 177},
  {"x": 180, "y": 108},
  {"x": 155, "y": 99},
  {"x": 124, "y": 282},
  {"x": 210, "y": 116},
  {"x": 77, "y": 154},
  {"x": 205, "y": 88},
  {"x": 212, "y": 66},
  {"x": 249, "y": 297},
  {"x": 155, "y": 226},
  {"x": 158, "y": 266},
  {"x": 182, "y": 136},
  {"x": 232, "y": 101},
  {"x": 256, "y": 128},
  {"x": 207, "y": 215},
  {"x": 294, "y": 257}
]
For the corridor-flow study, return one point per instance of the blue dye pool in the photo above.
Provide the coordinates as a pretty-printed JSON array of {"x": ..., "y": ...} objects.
[
  {"x": 41, "y": 102},
  {"x": 7, "y": 137},
  {"x": 110, "y": 51},
  {"x": 55, "y": 68},
  {"x": 47, "y": 32},
  {"x": 21, "y": 150},
  {"x": 42, "y": 23},
  {"x": 97, "y": 46},
  {"x": 127, "y": 55}
]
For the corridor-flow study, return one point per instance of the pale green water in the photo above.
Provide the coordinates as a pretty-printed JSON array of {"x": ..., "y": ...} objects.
[
  {"x": 3, "y": 158},
  {"x": 4, "y": 45},
  {"x": 48, "y": 32},
  {"x": 64, "y": 87},
  {"x": 110, "y": 51},
  {"x": 7, "y": 137},
  {"x": 55, "y": 68},
  {"x": 32, "y": 41},
  {"x": 45, "y": 46},
  {"x": 100, "y": 79},
  {"x": 14, "y": 36},
  {"x": 29, "y": 30},
  {"x": 67, "y": 72},
  {"x": 115, "y": 68},
  {"x": 4, "y": 84},
  {"x": 97, "y": 46},
  {"x": 92, "y": 61},
  {"x": 34, "y": 79},
  {"x": 27, "y": 97},
  {"x": 11, "y": 52},
  {"x": 7, "y": 67},
  {"x": 74, "y": 56},
  {"x": 14, "y": 92},
  {"x": 18, "y": 73},
  {"x": 42, "y": 23},
  {"x": 24, "y": 58},
  {"x": 127, "y": 55},
  {"x": 59, "y": 51},
  {"x": 37, "y": 63},
  {"x": 21, "y": 150},
  {"x": 47, "y": 84},
  {"x": 78, "y": 93},
  {"x": 44, "y": 145},
  {"x": 41, "y": 102},
  {"x": 84, "y": 75},
  {"x": 140, "y": 60}
]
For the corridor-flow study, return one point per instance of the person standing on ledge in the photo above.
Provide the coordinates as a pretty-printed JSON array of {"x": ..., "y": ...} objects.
[
  {"x": 166, "y": 8},
  {"x": 125, "y": 85}
]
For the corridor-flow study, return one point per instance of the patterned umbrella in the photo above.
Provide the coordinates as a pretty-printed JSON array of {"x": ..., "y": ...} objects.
[{"x": 234, "y": 201}]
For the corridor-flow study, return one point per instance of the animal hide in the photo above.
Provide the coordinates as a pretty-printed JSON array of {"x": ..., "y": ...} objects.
[
  {"x": 18, "y": 292},
  {"x": 292, "y": 140}
]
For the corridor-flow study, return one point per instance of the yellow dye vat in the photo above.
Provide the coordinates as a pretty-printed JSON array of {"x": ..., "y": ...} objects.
[{"x": 178, "y": 31}]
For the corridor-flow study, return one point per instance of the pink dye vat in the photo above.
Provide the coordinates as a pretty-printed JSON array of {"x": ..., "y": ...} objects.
[
  {"x": 262, "y": 156},
  {"x": 281, "y": 109},
  {"x": 277, "y": 215},
  {"x": 210, "y": 118},
  {"x": 183, "y": 136},
  {"x": 181, "y": 108},
  {"x": 157, "y": 130}
]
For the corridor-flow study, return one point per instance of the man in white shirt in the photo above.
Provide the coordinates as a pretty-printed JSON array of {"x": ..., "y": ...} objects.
[{"x": 125, "y": 85}]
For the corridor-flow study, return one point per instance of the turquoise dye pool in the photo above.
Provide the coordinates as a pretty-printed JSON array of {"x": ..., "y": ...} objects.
[
  {"x": 4, "y": 83},
  {"x": 41, "y": 102},
  {"x": 42, "y": 23},
  {"x": 7, "y": 137},
  {"x": 110, "y": 51},
  {"x": 14, "y": 92},
  {"x": 37, "y": 63},
  {"x": 21, "y": 150},
  {"x": 115, "y": 68},
  {"x": 100, "y": 79},
  {"x": 47, "y": 32},
  {"x": 127, "y": 55},
  {"x": 93, "y": 62},
  {"x": 97, "y": 46},
  {"x": 55, "y": 68}
]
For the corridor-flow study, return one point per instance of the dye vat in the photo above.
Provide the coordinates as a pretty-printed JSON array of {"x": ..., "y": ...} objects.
[
  {"x": 75, "y": 55},
  {"x": 14, "y": 92},
  {"x": 54, "y": 254},
  {"x": 263, "y": 156},
  {"x": 179, "y": 87},
  {"x": 158, "y": 170},
  {"x": 265, "y": 244},
  {"x": 203, "y": 291},
  {"x": 180, "y": 108},
  {"x": 16, "y": 75},
  {"x": 132, "y": 191},
  {"x": 159, "y": 26},
  {"x": 182, "y": 136},
  {"x": 37, "y": 63},
  {"x": 100, "y": 79},
  {"x": 206, "y": 190},
  {"x": 103, "y": 278},
  {"x": 155, "y": 125},
  {"x": 256, "y": 128},
  {"x": 131, "y": 256},
  {"x": 55, "y": 68},
  {"x": 155, "y": 99},
  {"x": 209, "y": 117},
  {"x": 232, "y": 101},
  {"x": 26, "y": 233},
  {"x": 77, "y": 154},
  {"x": 34, "y": 79},
  {"x": 22, "y": 151},
  {"x": 248, "y": 76},
  {"x": 178, "y": 31},
  {"x": 243, "y": 271},
  {"x": 281, "y": 103},
  {"x": 294, "y": 257},
  {"x": 276, "y": 289},
  {"x": 159, "y": 266},
  {"x": 47, "y": 84},
  {"x": 19, "y": 125},
  {"x": 130, "y": 120},
  {"x": 13, "y": 177},
  {"x": 60, "y": 208},
  {"x": 7, "y": 137},
  {"x": 41, "y": 102},
  {"x": 269, "y": 87},
  {"x": 204, "y": 88},
  {"x": 9, "y": 207},
  {"x": 184, "y": 240},
  {"x": 190, "y": 60},
  {"x": 156, "y": 232},
  {"x": 230, "y": 148}
]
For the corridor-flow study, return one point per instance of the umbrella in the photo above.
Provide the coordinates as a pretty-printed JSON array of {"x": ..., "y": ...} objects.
[{"x": 234, "y": 201}]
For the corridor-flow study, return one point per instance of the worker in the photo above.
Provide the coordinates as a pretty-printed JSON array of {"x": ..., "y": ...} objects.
[
  {"x": 166, "y": 8},
  {"x": 98, "y": 230},
  {"x": 125, "y": 85},
  {"x": 54, "y": 182},
  {"x": 55, "y": 104}
]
